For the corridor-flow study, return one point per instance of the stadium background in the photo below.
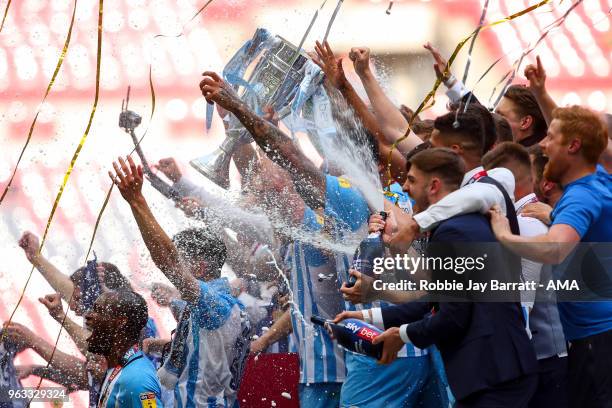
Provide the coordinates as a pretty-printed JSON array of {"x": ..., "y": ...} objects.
[{"x": 577, "y": 57}]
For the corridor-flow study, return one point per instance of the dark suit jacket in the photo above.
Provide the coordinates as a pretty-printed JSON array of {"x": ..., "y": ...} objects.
[{"x": 482, "y": 343}]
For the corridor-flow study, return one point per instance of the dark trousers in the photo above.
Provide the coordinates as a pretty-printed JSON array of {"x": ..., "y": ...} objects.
[
  {"x": 552, "y": 390},
  {"x": 511, "y": 394},
  {"x": 590, "y": 371}
]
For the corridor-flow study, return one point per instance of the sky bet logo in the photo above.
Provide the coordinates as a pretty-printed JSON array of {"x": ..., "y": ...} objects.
[
  {"x": 352, "y": 327},
  {"x": 362, "y": 332}
]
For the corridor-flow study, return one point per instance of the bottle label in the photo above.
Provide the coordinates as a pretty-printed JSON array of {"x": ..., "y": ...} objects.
[
  {"x": 352, "y": 327},
  {"x": 367, "y": 334},
  {"x": 362, "y": 332}
]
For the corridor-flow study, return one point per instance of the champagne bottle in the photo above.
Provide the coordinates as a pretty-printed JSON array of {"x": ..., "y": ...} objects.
[
  {"x": 354, "y": 335},
  {"x": 370, "y": 248}
]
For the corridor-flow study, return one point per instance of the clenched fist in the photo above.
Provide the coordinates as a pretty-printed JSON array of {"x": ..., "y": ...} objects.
[
  {"x": 29, "y": 243},
  {"x": 170, "y": 169},
  {"x": 53, "y": 303},
  {"x": 361, "y": 60}
]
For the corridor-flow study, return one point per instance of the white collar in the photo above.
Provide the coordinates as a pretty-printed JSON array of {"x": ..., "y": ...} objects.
[
  {"x": 468, "y": 176},
  {"x": 529, "y": 198}
]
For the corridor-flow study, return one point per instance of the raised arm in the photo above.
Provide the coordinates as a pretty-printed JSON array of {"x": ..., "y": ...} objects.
[
  {"x": 198, "y": 202},
  {"x": 336, "y": 80},
  {"x": 58, "y": 375},
  {"x": 25, "y": 337},
  {"x": 550, "y": 248},
  {"x": 391, "y": 120},
  {"x": 309, "y": 181},
  {"x": 475, "y": 197},
  {"x": 129, "y": 179},
  {"x": 60, "y": 282},
  {"x": 537, "y": 84},
  {"x": 78, "y": 334},
  {"x": 455, "y": 89}
]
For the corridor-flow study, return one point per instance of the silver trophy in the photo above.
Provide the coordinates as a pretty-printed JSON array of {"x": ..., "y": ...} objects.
[{"x": 274, "y": 81}]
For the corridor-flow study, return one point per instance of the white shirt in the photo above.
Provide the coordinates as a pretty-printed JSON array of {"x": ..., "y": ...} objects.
[
  {"x": 532, "y": 271},
  {"x": 457, "y": 91},
  {"x": 529, "y": 227},
  {"x": 471, "y": 197}
]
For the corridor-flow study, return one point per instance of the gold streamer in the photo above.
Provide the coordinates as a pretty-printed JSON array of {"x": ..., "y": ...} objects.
[
  {"x": 99, "y": 219},
  {"x": 97, "y": 224},
  {"x": 53, "y": 77},
  {"x": 526, "y": 52},
  {"x": 5, "y": 13},
  {"x": 95, "y": 231},
  {"x": 152, "y": 110},
  {"x": 548, "y": 28},
  {"x": 106, "y": 199},
  {"x": 430, "y": 98},
  {"x": 108, "y": 194},
  {"x": 72, "y": 162},
  {"x": 512, "y": 73}
]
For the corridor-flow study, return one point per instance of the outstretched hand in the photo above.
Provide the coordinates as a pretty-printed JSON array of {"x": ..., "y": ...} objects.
[
  {"x": 330, "y": 65},
  {"x": 440, "y": 62},
  {"x": 216, "y": 90},
  {"x": 129, "y": 178}
]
